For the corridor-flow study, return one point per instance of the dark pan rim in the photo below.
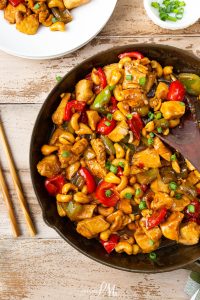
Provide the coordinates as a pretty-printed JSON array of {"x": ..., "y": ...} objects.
[{"x": 158, "y": 270}]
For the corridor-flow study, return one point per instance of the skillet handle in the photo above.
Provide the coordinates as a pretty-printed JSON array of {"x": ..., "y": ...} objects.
[{"x": 195, "y": 266}]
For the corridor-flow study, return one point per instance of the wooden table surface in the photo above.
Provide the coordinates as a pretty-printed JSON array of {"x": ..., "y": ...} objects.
[{"x": 46, "y": 267}]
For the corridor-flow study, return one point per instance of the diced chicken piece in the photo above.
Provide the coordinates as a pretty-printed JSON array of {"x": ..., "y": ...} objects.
[
  {"x": 161, "y": 200},
  {"x": 69, "y": 4},
  {"x": 108, "y": 71},
  {"x": 134, "y": 97},
  {"x": 100, "y": 151},
  {"x": 3, "y": 4},
  {"x": 179, "y": 205},
  {"x": 161, "y": 149},
  {"x": 148, "y": 157},
  {"x": 154, "y": 234},
  {"x": 58, "y": 115},
  {"x": 133, "y": 74},
  {"x": 10, "y": 12},
  {"x": 120, "y": 131},
  {"x": 144, "y": 242},
  {"x": 55, "y": 136},
  {"x": 86, "y": 212},
  {"x": 66, "y": 157},
  {"x": 29, "y": 25},
  {"x": 89, "y": 228},
  {"x": 193, "y": 177},
  {"x": 170, "y": 228},
  {"x": 189, "y": 233},
  {"x": 161, "y": 91},
  {"x": 172, "y": 109},
  {"x": 79, "y": 147},
  {"x": 49, "y": 166},
  {"x": 83, "y": 90},
  {"x": 93, "y": 118},
  {"x": 96, "y": 169},
  {"x": 159, "y": 186}
]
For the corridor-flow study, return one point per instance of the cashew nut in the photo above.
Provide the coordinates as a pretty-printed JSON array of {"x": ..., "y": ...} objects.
[
  {"x": 124, "y": 247},
  {"x": 157, "y": 66},
  {"x": 81, "y": 198},
  {"x": 66, "y": 138},
  {"x": 63, "y": 198},
  {"x": 123, "y": 183},
  {"x": 118, "y": 92},
  {"x": 119, "y": 150},
  {"x": 67, "y": 187},
  {"x": 105, "y": 235},
  {"x": 84, "y": 129},
  {"x": 72, "y": 169},
  {"x": 105, "y": 211},
  {"x": 74, "y": 121},
  {"x": 48, "y": 149},
  {"x": 127, "y": 168},
  {"x": 58, "y": 26},
  {"x": 112, "y": 178},
  {"x": 118, "y": 116}
]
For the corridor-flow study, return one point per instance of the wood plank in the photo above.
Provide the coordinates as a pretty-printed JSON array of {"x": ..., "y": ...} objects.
[
  {"x": 130, "y": 18},
  {"x": 51, "y": 269},
  {"x": 33, "y": 80}
]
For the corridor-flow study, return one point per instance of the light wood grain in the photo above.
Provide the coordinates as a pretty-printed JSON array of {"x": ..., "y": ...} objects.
[
  {"x": 51, "y": 269},
  {"x": 33, "y": 80}
]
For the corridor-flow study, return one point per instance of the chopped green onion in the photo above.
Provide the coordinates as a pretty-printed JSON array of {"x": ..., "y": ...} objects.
[
  {"x": 191, "y": 208},
  {"x": 178, "y": 196},
  {"x": 151, "y": 242},
  {"x": 150, "y": 115},
  {"x": 107, "y": 123},
  {"x": 109, "y": 117},
  {"x": 158, "y": 116},
  {"x": 173, "y": 186},
  {"x": 142, "y": 81},
  {"x": 129, "y": 77},
  {"x": 151, "y": 134},
  {"x": 129, "y": 116},
  {"x": 65, "y": 154},
  {"x": 108, "y": 193},
  {"x": 173, "y": 19},
  {"x": 113, "y": 169},
  {"x": 152, "y": 256},
  {"x": 121, "y": 164},
  {"x": 128, "y": 195},
  {"x": 159, "y": 129},
  {"x": 58, "y": 78},
  {"x": 150, "y": 141},
  {"x": 137, "y": 192},
  {"x": 142, "y": 205},
  {"x": 173, "y": 157},
  {"x": 36, "y": 6},
  {"x": 171, "y": 10},
  {"x": 155, "y": 4},
  {"x": 54, "y": 20},
  {"x": 107, "y": 165}
]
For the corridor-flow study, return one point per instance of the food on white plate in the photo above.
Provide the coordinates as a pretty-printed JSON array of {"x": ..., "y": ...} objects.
[{"x": 29, "y": 15}]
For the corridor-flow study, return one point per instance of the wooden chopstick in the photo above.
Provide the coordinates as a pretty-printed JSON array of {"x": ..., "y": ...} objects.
[
  {"x": 16, "y": 182},
  {"x": 11, "y": 214}
]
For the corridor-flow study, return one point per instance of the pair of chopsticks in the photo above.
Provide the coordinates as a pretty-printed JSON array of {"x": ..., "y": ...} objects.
[{"x": 17, "y": 185}]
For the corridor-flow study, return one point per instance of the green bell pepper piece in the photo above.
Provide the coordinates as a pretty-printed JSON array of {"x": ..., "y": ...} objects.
[
  {"x": 108, "y": 145},
  {"x": 191, "y": 83},
  {"x": 102, "y": 99},
  {"x": 70, "y": 209}
]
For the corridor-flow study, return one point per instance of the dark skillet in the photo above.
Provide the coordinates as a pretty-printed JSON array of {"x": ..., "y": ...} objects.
[{"x": 170, "y": 256}]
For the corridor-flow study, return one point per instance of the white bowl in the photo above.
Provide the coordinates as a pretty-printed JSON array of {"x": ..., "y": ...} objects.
[
  {"x": 89, "y": 19},
  {"x": 190, "y": 16}
]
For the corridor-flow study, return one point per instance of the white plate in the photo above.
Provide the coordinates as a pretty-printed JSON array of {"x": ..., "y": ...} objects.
[
  {"x": 89, "y": 19},
  {"x": 190, "y": 16}
]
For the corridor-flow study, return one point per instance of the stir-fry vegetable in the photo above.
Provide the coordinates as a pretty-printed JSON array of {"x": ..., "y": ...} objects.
[
  {"x": 107, "y": 167},
  {"x": 191, "y": 83}
]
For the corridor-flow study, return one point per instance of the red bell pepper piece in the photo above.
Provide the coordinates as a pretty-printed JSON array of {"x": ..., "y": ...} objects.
[
  {"x": 54, "y": 185},
  {"x": 15, "y": 2},
  {"x": 156, "y": 218},
  {"x": 114, "y": 102},
  {"x": 100, "y": 194},
  {"x": 84, "y": 117},
  {"x": 89, "y": 179},
  {"x": 198, "y": 191},
  {"x": 120, "y": 171},
  {"x": 176, "y": 91},
  {"x": 88, "y": 76},
  {"x": 111, "y": 243},
  {"x": 105, "y": 126},
  {"x": 196, "y": 213},
  {"x": 134, "y": 54},
  {"x": 144, "y": 187},
  {"x": 74, "y": 104},
  {"x": 103, "y": 82},
  {"x": 136, "y": 125}
]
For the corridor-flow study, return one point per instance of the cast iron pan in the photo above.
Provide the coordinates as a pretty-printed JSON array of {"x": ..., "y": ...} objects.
[{"x": 170, "y": 257}]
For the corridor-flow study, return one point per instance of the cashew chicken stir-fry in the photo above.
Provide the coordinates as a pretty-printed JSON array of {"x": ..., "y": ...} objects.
[
  {"x": 107, "y": 167},
  {"x": 29, "y": 14}
]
